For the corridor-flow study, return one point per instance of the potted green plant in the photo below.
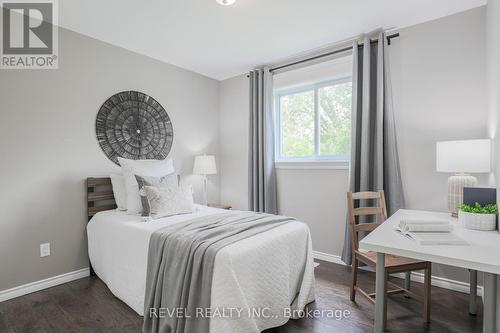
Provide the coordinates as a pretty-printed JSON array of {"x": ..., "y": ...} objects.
[{"x": 478, "y": 217}]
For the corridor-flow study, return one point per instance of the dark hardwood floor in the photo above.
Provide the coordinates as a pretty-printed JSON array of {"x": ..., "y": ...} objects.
[{"x": 87, "y": 305}]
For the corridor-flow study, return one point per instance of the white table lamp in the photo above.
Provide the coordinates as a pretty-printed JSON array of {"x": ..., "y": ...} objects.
[
  {"x": 462, "y": 158},
  {"x": 204, "y": 165}
]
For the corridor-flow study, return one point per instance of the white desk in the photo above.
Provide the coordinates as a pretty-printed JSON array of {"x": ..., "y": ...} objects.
[{"x": 482, "y": 254}]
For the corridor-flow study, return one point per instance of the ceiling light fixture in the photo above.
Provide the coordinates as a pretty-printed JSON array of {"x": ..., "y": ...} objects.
[{"x": 225, "y": 2}]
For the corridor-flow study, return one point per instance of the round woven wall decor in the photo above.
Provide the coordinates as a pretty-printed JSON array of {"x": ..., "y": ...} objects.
[{"x": 133, "y": 125}]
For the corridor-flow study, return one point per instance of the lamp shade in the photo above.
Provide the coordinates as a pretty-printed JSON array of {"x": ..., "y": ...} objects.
[
  {"x": 204, "y": 165},
  {"x": 467, "y": 156}
]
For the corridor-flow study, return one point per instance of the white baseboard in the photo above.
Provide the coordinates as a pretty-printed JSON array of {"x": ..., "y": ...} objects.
[
  {"x": 328, "y": 257},
  {"x": 28, "y": 288},
  {"x": 437, "y": 281},
  {"x": 441, "y": 282},
  {"x": 43, "y": 284}
]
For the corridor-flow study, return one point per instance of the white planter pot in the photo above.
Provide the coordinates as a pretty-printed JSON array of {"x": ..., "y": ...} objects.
[{"x": 486, "y": 222}]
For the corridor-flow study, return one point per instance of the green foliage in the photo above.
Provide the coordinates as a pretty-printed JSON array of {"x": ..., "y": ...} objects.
[
  {"x": 297, "y": 119},
  {"x": 335, "y": 119},
  {"x": 478, "y": 209}
]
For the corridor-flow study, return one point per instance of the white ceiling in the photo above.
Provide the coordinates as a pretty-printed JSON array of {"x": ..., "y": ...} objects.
[{"x": 221, "y": 42}]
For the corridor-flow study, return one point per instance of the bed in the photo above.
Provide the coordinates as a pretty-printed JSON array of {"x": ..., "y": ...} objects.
[{"x": 268, "y": 273}]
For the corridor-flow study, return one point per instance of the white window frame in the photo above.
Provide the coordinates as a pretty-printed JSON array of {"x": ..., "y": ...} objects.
[{"x": 312, "y": 162}]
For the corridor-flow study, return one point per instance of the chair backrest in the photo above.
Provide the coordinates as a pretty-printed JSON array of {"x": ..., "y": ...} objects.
[{"x": 379, "y": 211}]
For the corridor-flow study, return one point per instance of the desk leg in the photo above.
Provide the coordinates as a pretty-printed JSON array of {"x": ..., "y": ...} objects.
[
  {"x": 498, "y": 304},
  {"x": 490, "y": 303},
  {"x": 380, "y": 293},
  {"x": 473, "y": 292}
]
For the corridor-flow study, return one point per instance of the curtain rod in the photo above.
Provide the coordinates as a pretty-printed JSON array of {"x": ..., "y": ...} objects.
[{"x": 328, "y": 54}]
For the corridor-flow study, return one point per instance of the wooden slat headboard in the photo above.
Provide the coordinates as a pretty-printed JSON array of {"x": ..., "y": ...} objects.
[{"x": 99, "y": 196}]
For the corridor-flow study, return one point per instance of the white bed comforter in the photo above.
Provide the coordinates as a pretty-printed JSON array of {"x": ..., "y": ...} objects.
[{"x": 265, "y": 272}]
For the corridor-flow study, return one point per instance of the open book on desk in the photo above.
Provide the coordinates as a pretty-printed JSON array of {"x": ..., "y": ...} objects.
[{"x": 429, "y": 232}]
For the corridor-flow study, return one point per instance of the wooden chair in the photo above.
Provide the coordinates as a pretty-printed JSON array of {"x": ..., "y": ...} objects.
[{"x": 393, "y": 264}]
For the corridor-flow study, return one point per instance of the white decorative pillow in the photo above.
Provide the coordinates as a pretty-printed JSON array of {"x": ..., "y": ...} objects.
[
  {"x": 130, "y": 168},
  {"x": 119, "y": 190},
  {"x": 169, "y": 201},
  {"x": 168, "y": 181}
]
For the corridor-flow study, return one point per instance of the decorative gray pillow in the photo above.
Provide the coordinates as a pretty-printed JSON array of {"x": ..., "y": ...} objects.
[
  {"x": 168, "y": 181},
  {"x": 169, "y": 201}
]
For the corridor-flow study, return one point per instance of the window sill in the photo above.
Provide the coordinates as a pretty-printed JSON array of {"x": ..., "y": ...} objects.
[{"x": 312, "y": 164}]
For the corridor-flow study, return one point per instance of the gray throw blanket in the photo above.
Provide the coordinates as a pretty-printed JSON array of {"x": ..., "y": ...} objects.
[{"x": 181, "y": 263}]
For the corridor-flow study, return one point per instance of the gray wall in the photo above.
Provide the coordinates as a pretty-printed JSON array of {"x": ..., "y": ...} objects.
[
  {"x": 438, "y": 78},
  {"x": 317, "y": 197},
  {"x": 48, "y": 146},
  {"x": 438, "y": 73},
  {"x": 493, "y": 66},
  {"x": 234, "y": 143}
]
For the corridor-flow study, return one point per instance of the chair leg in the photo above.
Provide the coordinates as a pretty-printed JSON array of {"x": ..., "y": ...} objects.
[
  {"x": 427, "y": 294},
  {"x": 354, "y": 277}
]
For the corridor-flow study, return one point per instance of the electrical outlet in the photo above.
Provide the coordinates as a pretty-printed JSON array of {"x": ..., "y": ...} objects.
[{"x": 44, "y": 250}]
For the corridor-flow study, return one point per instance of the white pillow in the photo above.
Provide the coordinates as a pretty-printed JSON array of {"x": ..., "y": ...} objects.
[
  {"x": 168, "y": 181},
  {"x": 130, "y": 168},
  {"x": 119, "y": 190},
  {"x": 167, "y": 201}
]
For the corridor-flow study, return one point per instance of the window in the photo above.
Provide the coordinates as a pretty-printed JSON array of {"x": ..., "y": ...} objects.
[{"x": 314, "y": 121}]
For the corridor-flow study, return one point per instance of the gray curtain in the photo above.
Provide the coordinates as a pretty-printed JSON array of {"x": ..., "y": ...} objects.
[
  {"x": 374, "y": 154},
  {"x": 262, "y": 173}
]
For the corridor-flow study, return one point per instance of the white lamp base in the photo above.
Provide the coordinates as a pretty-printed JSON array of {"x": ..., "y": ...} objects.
[
  {"x": 205, "y": 190},
  {"x": 456, "y": 186}
]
